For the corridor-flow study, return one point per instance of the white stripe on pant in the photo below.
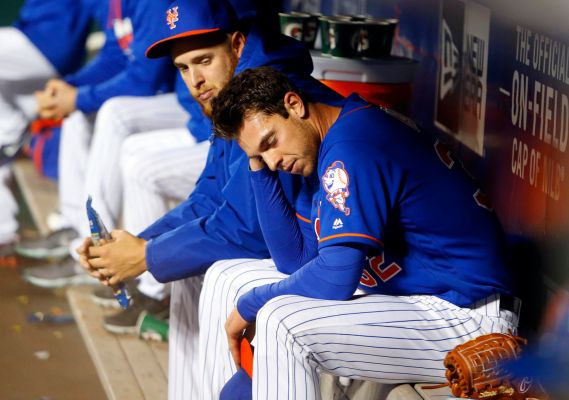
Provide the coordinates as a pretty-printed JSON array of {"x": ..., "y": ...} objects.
[{"x": 382, "y": 338}]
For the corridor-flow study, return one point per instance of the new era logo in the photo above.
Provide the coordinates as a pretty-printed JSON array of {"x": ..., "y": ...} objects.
[{"x": 337, "y": 224}]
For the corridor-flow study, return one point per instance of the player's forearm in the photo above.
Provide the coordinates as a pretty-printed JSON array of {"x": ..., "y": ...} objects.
[
  {"x": 288, "y": 247},
  {"x": 191, "y": 248},
  {"x": 333, "y": 275}
]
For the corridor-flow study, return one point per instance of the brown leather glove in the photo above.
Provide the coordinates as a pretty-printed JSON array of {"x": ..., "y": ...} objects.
[{"x": 475, "y": 370}]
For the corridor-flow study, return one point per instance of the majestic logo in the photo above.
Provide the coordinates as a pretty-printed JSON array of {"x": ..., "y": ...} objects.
[
  {"x": 335, "y": 181},
  {"x": 172, "y": 17},
  {"x": 338, "y": 224}
]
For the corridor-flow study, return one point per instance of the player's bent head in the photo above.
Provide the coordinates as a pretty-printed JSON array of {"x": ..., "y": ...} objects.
[{"x": 258, "y": 90}]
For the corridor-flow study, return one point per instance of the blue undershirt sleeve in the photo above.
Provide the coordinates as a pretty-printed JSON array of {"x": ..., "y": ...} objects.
[
  {"x": 279, "y": 224},
  {"x": 333, "y": 275}
]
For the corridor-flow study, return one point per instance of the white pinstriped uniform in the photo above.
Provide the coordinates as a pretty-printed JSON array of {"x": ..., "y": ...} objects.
[
  {"x": 183, "y": 346},
  {"x": 224, "y": 282},
  {"x": 389, "y": 339},
  {"x": 23, "y": 69},
  {"x": 158, "y": 168},
  {"x": 97, "y": 161},
  {"x": 8, "y": 208}
]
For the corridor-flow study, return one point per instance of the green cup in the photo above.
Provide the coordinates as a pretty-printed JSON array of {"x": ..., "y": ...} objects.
[
  {"x": 301, "y": 26},
  {"x": 343, "y": 36},
  {"x": 152, "y": 328},
  {"x": 325, "y": 34},
  {"x": 370, "y": 38},
  {"x": 379, "y": 33}
]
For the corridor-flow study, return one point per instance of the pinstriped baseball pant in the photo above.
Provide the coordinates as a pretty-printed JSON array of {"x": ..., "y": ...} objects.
[
  {"x": 389, "y": 339},
  {"x": 100, "y": 163},
  {"x": 8, "y": 208},
  {"x": 23, "y": 69},
  {"x": 90, "y": 154}
]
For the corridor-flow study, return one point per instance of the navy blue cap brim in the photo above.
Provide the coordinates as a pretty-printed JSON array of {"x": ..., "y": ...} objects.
[{"x": 162, "y": 47}]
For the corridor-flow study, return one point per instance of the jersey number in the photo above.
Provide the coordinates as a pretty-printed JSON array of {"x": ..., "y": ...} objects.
[
  {"x": 444, "y": 155},
  {"x": 384, "y": 274}
]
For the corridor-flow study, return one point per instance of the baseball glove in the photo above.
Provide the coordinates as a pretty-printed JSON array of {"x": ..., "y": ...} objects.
[{"x": 476, "y": 370}]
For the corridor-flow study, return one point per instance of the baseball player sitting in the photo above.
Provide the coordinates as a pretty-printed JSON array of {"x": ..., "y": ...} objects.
[
  {"x": 397, "y": 220},
  {"x": 119, "y": 69},
  {"x": 160, "y": 158},
  {"x": 218, "y": 221},
  {"x": 47, "y": 40}
]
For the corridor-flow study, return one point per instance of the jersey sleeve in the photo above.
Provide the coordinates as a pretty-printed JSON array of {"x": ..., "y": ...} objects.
[
  {"x": 357, "y": 193},
  {"x": 333, "y": 275},
  {"x": 290, "y": 245},
  {"x": 226, "y": 228},
  {"x": 140, "y": 76},
  {"x": 109, "y": 62}
]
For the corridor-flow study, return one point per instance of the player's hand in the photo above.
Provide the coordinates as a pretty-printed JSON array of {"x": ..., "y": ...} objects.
[
  {"x": 83, "y": 251},
  {"x": 57, "y": 100},
  {"x": 46, "y": 104},
  {"x": 65, "y": 96},
  {"x": 122, "y": 258},
  {"x": 235, "y": 328},
  {"x": 256, "y": 163}
]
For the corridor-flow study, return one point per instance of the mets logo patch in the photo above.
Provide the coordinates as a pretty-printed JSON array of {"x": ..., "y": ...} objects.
[
  {"x": 172, "y": 17},
  {"x": 335, "y": 182}
]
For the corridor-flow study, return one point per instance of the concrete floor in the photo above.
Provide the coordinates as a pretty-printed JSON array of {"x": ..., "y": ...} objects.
[{"x": 39, "y": 360}]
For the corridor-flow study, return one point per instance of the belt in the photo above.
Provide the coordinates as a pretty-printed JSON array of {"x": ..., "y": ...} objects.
[{"x": 510, "y": 303}]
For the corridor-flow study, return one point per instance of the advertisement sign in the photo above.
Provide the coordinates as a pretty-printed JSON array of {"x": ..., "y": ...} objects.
[{"x": 460, "y": 102}]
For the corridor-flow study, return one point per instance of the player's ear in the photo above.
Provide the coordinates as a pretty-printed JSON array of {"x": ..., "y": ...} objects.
[
  {"x": 294, "y": 104},
  {"x": 237, "y": 43}
]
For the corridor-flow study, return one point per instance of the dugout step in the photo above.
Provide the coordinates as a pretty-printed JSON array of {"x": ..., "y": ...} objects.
[{"x": 128, "y": 367}]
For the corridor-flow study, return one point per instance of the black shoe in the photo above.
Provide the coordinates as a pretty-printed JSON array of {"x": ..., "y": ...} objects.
[
  {"x": 54, "y": 246},
  {"x": 125, "y": 322}
]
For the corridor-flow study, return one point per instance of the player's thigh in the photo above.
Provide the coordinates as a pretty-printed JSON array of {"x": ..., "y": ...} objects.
[
  {"x": 167, "y": 161},
  {"x": 21, "y": 61},
  {"x": 226, "y": 279},
  {"x": 136, "y": 114},
  {"x": 371, "y": 337}
]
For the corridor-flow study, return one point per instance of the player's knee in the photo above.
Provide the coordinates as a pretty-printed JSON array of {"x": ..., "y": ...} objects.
[
  {"x": 113, "y": 108},
  {"x": 272, "y": 317},
  {"x": 133, "y": 160}
]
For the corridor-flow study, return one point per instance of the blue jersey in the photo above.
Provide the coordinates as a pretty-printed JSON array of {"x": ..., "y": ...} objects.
[
  {"x": 219, "y": 219},
  {"x": 424, "y": 220},
  {"x": 59, "y": 28},
  {"x": 121, "y": 68},
  {"x": 393, "y": 211}
]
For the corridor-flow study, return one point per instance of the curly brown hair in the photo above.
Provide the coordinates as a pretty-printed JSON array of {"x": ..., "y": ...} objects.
[{"x": 255, "y": 90}]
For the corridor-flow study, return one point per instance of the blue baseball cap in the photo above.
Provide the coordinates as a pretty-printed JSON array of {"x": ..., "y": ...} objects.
[{"x": 189, "y": 18}]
